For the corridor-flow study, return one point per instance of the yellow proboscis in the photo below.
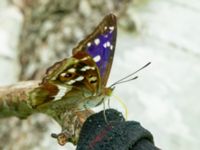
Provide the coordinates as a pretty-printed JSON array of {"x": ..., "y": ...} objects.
[{"x": 123, "y": 105}]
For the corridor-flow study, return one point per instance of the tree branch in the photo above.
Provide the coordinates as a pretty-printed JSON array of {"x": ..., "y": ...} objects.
[{"x": 15, "y": 101}]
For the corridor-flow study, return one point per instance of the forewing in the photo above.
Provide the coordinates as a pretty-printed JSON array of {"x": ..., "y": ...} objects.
[
  {"x": 76, "y": 77},
  {"x": 100, "y": 45}
]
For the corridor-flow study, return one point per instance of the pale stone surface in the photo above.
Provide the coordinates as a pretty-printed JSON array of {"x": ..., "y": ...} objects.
[
  {"x": 165, "y": 97},
  {"x": 10, "y": 25}
]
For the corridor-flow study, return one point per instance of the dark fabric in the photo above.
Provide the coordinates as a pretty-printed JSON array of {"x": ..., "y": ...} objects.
[{"x": 115, "y": 134}]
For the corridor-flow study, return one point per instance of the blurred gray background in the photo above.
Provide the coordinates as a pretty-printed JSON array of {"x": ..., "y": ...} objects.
[{"x": 36, "y": 33}]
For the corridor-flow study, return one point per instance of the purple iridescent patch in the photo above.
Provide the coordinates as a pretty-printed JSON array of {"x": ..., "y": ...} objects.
[{"x": 101, "y": 49}]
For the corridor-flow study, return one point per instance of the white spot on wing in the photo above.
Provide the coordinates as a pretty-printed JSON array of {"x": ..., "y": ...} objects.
[
  {"x": 80, "y": 78},
  {"x": 61, "y": 92},
  {"x": 97, "y": 41},
  {"x": 85, "y": 68},
  {"x": 88, "y": 44},
  {"x": 85, "y": 58},
  {"x": 111, "y": 28},
  {"x": 105, "y": 28},
  {"x": 108, "y": 44},
  {"x": 111, "y": 47},
  {"x": 70, "y": 82},
  {"x": 104, "y": 45},
  {"x": 71, "y": 70},
  {"x": 93, "y": 78},
  {"x": 97, "y": 58},
  {"x": 63, "y": 74}
]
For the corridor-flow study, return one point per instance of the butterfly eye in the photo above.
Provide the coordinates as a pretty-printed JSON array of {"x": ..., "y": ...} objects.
[{"x": 65, "y": 76}]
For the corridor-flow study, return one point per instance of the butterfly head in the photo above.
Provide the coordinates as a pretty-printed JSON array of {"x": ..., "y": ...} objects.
[{"x": 108, "y": 91}]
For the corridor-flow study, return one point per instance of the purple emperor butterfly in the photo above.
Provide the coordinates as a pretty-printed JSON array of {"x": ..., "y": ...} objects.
[{"x": 80, "y": 81}]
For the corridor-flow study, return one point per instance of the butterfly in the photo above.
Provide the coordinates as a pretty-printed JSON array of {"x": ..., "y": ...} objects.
[{"x": 79, "y": 82}]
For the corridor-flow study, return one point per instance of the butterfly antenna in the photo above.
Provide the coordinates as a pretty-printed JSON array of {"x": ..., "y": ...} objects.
[{"x": 122, "y": 80}]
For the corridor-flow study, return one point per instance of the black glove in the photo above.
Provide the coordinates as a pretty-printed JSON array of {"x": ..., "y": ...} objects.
[{"x": 115, "y": 134}]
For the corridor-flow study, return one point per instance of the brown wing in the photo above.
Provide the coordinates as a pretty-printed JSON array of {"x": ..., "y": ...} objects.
[{"x": 67, "y": 78}]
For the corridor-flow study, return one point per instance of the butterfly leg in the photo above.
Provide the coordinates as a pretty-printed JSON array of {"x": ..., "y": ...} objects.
[
  {"x": 109, "y": 103},
  {"x": 104, "y": 112}
]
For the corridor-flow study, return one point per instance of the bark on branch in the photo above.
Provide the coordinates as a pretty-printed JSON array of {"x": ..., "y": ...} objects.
[{"x": 14, "y": 101}]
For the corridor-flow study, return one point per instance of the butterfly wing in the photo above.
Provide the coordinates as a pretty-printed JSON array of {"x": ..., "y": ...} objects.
[
  {"x": 82, "y": 76},
  {"x": 72, "y": 79},
  {"x": 100, "y": 45}
]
